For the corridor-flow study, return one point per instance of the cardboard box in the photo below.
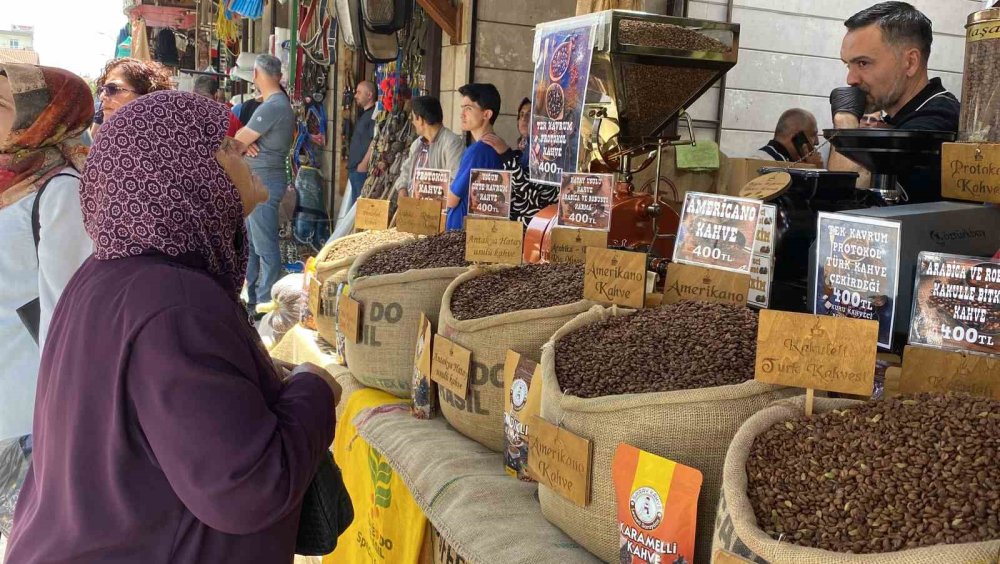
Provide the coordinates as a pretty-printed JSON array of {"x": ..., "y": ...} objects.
[{"x": 742, "y": 170}]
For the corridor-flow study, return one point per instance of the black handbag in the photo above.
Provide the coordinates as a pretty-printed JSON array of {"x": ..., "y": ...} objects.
[{"x": 327, "y": 511}]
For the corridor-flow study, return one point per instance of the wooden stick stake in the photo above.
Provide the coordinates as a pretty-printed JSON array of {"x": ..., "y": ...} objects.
[{"x": 809, "y": 402}]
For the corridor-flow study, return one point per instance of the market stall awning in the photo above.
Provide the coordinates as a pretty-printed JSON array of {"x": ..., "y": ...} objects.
[
  {"x": 23, "y": 56},
  {"x": 165, "y": 16}
]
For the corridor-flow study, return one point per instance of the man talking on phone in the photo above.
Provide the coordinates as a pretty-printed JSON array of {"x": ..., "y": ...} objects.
[
  {"x": 795, "y": 139},
  {"x": 886, "y": 50}
]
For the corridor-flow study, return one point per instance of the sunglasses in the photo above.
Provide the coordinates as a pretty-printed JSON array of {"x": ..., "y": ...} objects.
[{"x": 112, "y": 90}]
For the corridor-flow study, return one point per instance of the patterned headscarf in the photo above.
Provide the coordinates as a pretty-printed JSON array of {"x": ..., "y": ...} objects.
[
  {"x": 52, "y": 107},
  {"x": 152, "y": 183}
]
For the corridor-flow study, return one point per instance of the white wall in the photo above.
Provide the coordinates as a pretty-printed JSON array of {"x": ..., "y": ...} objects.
[{"x": 790, "y": 57}]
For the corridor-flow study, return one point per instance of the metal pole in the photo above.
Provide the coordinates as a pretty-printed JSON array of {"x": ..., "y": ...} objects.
[
  {"x": 293, "y": 47},
  {"x": 197, "y": 34}
]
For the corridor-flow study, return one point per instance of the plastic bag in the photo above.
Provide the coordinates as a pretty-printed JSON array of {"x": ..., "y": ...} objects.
[{"x": 15, "y": 457}]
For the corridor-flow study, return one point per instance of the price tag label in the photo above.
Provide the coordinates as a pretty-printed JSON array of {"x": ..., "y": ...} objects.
[
  {"x": 450, "y": 366},
  {"x": 698, "y": 283},
  {"x": 570, "y": 245},
  {"x": 431, "y": 184},
  {"x": 971, "y": 171},
  {"x": 717, "y": 231},
  {"x": 956, "y": 303},
  {"x": 767, "y": 187},
  {"x": 836, "y": 354},
  {"x": 762, "y": 266},
  {"x": 371, "y": 214},
  {"x": 932, "y": 370},
  {"x": 349, "y": 318},
  {"x": 857, "y": 270},
  {"x": 560, "y": 460},
  {"x": 493, "y": 241},
  {"x": 615, "y": 277},
  {"x": 585, "y": 201},
  {"x": 418, "y": 216},
  {"x": 489, "y": 193}
]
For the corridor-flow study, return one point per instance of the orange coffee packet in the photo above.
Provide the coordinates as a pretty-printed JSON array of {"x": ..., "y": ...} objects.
[{"x": 657, "y": 503}]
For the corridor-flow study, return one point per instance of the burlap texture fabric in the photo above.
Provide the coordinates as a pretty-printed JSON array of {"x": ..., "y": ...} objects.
[
  {"x": 481, "y": 513},
  {"x": 479, "y": 415},
  {"x": 736, "y": 527},
  {"x": 391, "y": 308},
  {"x": 692, "y": 427}
]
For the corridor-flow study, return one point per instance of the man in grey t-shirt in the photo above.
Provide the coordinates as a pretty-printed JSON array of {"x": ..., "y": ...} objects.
[{"x": 268, "y": 136}]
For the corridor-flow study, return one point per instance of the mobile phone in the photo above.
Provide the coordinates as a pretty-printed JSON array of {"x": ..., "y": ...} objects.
[{"x": 801, "y": 144}]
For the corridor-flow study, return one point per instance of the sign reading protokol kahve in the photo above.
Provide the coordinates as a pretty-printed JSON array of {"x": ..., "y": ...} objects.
[
  {"x": 717, "y": 231},
  {"x": 585, "y": 201},
  {"x": 762, "y": 267},
  {"x": 836, "y": 354},
  {"x": 857, "y": 269},
  {"x": 562, "y": 54},
  {"x": 489, "y": 193},
  {"x": 431, "y": 183},
  {"x": 971, "y": 171},
  {"x": 956, "y": 303}
]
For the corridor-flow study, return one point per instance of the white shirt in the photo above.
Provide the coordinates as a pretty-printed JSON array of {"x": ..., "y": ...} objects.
[{"x": 63, "y": 246}]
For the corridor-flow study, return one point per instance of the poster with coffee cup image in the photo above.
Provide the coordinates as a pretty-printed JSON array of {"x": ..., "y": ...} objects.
[{"x": 562, "y": 57}]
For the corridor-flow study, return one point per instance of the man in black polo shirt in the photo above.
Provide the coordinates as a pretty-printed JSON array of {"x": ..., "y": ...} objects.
[{"x": 886, "y": 50}]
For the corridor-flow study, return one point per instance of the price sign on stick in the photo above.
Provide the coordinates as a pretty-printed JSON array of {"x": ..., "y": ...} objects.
[
  {"x": 570, "y": 245},
  {"x": 932, "y": 370},
  {"x": 717, "y": 231},
  {"x": 971, "y": 171},
  {"x": 615, "y": 277},
  {"x": 420, "y": 217},
  {"x": 560, "y": 460},
  {"x": 493, "y": 240},
  {"x": 371, "y": 214},
  {"x": 585, "y": 201},
  {"x": 349, "y": 318},
  {"x": 816, "y": 352},
  {"x": 489, "y": 193},
  {"x": 450, "y": 366}
]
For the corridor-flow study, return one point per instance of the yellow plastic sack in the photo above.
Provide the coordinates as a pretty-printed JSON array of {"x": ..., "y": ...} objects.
[{"x": 388, "y": 525}]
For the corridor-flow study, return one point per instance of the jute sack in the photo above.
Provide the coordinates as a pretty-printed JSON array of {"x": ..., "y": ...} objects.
[
  {"x": 329, "y": 273},
  {"x": 479, "y": 415},
  {"x": 736, "y": 527},
  {"x": 692, "y": 427},
  {"x": 391, "y": 307}
]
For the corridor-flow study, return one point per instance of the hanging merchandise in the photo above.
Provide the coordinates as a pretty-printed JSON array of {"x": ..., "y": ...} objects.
[
  {"x": 347, "y": 18},
  {"x": 166, "y": 47},
  {"x": 251, "y": 9},
  {"x": 386, "y": 16},
  {"x": 124, "y": 48},
  {"x": 140, "y": 42},
  {"x": 225, "y": 23}
]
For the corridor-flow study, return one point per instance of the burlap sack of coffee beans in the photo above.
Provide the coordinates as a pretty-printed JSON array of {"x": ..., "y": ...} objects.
[
  {"x": 692, "y": 426},
  {"x": 909, "y": 480},
  {"x": 392, "y": 304},
  {"x": 522, "y": 307},
  {"x": 334, "y": 260}
]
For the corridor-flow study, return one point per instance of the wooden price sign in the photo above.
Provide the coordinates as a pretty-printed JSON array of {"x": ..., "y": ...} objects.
[
  {"x": 489, "y": 193},
  {"x": 349, "y": 318},
  {"x": 816, "y": 352},
  {"x": 698, "y": 283},
  {"x": 767, "y": 187},
  {"x": 493, "y": 241},
  {"x": 450, "y": 366},
  {"x": 585, "y": 201},
  {"x": 431, "y": 184},
  {"x": 726, "y": 557},
  {"x": 615, "y": 277},
  {"x": 560, "y": 460},
  {"x": 418, "y": 216},
  {"x": 971, "y": 171},
  {"x": 371, "y": 214},
  {"x": 570, "y": 245},
  {"x": 717, "y": 231},
  {"x": 932, "y": 370}
]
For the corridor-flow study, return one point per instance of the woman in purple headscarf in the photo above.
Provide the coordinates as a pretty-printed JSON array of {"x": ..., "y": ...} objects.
[{"x": 163, "y": 432}]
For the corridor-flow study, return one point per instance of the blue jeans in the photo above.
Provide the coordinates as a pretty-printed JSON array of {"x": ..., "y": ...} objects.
[
  {"x": 264, "y": 266},
  {"x": 357, "y": 182}
]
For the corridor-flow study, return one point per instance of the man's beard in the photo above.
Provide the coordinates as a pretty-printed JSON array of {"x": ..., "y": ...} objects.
[{"x": 890, "y": 99}]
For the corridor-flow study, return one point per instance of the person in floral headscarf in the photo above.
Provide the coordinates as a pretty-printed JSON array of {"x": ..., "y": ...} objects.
[
  {"x": 163, "y": 432},
  {"x": 43, "y": 112}
]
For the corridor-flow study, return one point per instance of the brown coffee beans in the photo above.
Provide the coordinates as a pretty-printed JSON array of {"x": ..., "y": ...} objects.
[
  {"x": 653, "y": 34},
  {"x": 530, "y": 286},
  {"x": 357, "y": 244},
  {"x": 439, "y": 251},
  {"x": 682, "y": 346},
  {"x": 885, "y": 476}
]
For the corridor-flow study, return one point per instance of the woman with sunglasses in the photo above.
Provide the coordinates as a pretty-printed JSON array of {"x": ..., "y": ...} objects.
[
  {"x": 126, "y": 79},
  {"x": 43, "y": 112}
]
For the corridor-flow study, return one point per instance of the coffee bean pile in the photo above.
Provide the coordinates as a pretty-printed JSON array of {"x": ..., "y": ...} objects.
[
  {"x": 682, "y": 346},
  {"x": 885, "y": 476},
  {"x": 439, "y": 251},
  {"x": 648, "y": 102},
  {"x": 530, "y": 286},
  {"x": 652, "y": 34},
  {"x": 980, "y": 120},
  {"x": 354, "y": 246}
]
